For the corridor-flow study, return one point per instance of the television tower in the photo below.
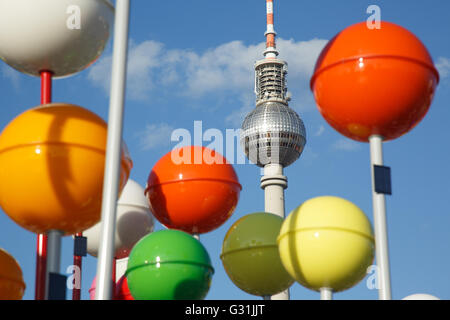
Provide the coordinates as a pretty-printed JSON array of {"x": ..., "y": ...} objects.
[{"x": 273, "y": 135}]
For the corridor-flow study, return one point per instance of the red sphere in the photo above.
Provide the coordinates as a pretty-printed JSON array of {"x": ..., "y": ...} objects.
[
  {"x": 122, "y": 291},
  {"x": 374, "y": 81},
  {"x": 193, "y": 189}
]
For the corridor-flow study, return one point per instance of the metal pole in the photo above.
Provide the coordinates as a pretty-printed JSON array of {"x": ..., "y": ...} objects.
[
  {"x": 379, "y": 214},
  {"x": 113, "y": 151},
  {"x": 274, "y": 182},
  {"x": 41, "y": 243},
  {"x": 196, "y": 236},
  {"x": 54, "y": 254},
  {"x": 326, "y": 294}
]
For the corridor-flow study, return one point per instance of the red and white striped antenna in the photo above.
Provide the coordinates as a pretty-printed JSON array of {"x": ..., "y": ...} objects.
[{"x": 271, "y": 51}]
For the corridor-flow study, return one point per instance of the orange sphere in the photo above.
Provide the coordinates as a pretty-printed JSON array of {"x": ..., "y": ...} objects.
[
  {"x": 193, "y": 189},
  {"x": 51, "y": 168},
  {"x": 12, "y": 286},
  {"x": 374, "y": 81}
]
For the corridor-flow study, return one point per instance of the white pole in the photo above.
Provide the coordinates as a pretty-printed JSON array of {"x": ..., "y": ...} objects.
[
  {"x": 53, "y": 255},
  {"x": 196, "y": 236},
  {"x": 274, "y": 182},
  {"x": 326, "y": 294},
  {"x": 113, "y": 151},
  {"x": 379, "y": 214}
]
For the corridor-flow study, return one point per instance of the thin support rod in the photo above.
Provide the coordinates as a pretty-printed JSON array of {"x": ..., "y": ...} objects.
[
  {"x": 54, "y": 251},
  {"x": 41, "y": 242},
  {"x": 274, "y": 182},
  {"x": 113, "y": 151},
  {"x": 326, "y": 294},
  {"x": 41, "y": 267},
  {"x": 114, "y": 277},
  {"x": 46, "y": 87},
  {"x": 380, "y": 226},
  {"x": 78, "y": 263},
  {"x": 54, "y": 254}
]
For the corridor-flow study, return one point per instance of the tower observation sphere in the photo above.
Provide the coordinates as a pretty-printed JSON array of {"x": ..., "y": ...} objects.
[{"x": 272, "y": 133}]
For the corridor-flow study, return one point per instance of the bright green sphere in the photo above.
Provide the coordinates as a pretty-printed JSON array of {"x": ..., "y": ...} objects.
[
  {"x": 169, "y": 265},
  {"x": 250, "y": 255}
]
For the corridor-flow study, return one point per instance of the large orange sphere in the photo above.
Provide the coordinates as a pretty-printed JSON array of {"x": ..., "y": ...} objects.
[
  {"x": 374, "y": 81},
  {"x": 51, "y": 168},
  {"x": 193, "y": 189},
  {"x": 12, "y": 286}
]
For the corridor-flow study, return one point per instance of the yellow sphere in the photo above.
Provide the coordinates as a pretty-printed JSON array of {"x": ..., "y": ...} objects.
[
  {"x": 327, "y": 242},
  {"x": 51, "y": 168},
  {"x": 12, "y": 286}
]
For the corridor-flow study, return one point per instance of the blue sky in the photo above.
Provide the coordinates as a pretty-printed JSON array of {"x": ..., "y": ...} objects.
[{"x": 193, "y": 60}]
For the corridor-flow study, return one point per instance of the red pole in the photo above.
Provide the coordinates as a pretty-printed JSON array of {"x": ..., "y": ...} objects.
[
  {"x": 46, "y": 87},
  {"x": 41, "y": 266},
  {"x": 41, "y": 250},
  {"x": 77, "y": 262}
]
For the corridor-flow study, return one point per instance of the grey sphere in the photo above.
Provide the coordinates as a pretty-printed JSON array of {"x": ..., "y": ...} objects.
[{"x": 273, "y": 133}]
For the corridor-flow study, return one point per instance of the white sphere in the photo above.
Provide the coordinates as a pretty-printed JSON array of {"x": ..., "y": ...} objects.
[
  {"x": 44, "y": 35},
  {"x": 133, "y": 221},
  {"x": 420, "y": 296}
]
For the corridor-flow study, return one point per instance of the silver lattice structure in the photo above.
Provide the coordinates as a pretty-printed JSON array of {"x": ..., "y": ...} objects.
[
  {"x": 272, "y": 133},
  {"x": 270, "y": 81}
]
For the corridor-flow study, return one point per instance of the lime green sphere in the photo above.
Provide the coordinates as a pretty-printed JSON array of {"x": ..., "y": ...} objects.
[
  {"x": 250, "y": 255},
  {"x": 169, "y": 265}
]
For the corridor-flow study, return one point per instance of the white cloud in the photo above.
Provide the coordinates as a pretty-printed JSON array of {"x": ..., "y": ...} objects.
[
  {"x": 443, "y": 66},
  {"x": 226, "y": 68},
  {"x": 301, "y": 56},
  {"x": 142, "y": 59},
  {"x": 236, "y": 117},
  {"x": 320, "y": 131},
  {"x": 344, "y": 144},
  {"x": 154, "y": 136},
  {"x": 100, "y": 73}
]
